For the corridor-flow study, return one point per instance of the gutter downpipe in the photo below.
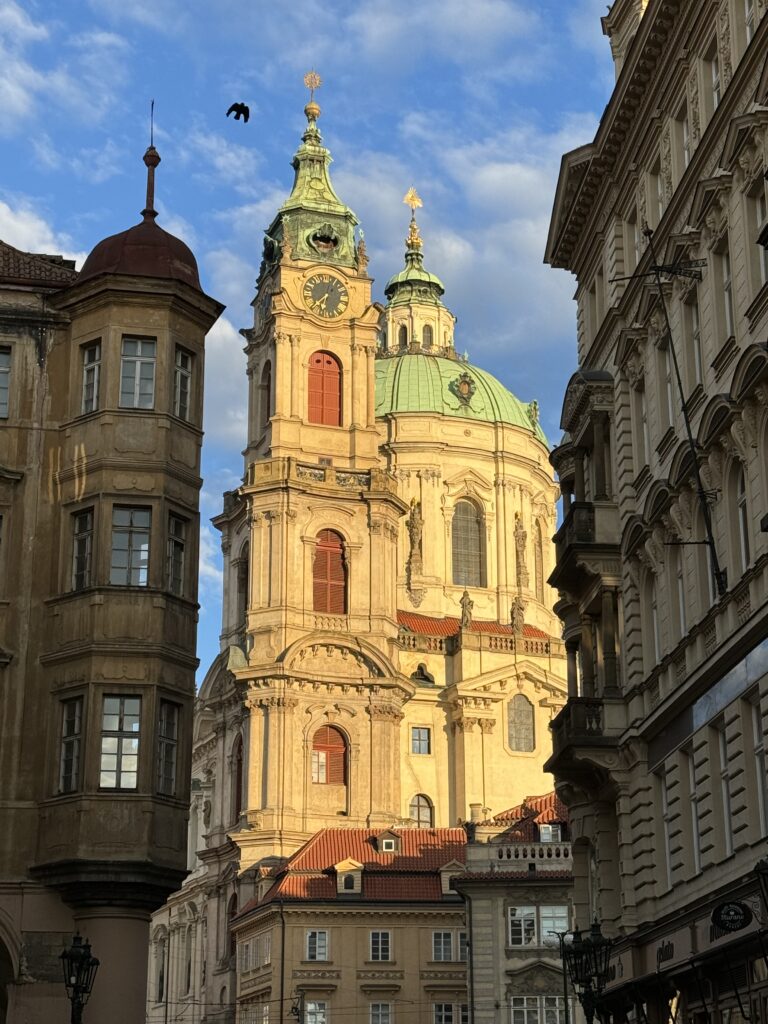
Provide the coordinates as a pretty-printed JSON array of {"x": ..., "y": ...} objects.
[
  {"x": 470, "y": 965},
  {"x": 282, "y": 963}
]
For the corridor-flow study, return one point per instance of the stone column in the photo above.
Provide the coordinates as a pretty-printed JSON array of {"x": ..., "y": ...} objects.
[
  {"x": 587, "y": 657},
  {"x": 571, "y": 655},
  {"x": 358, "y": 393},
  {"x": 384, "y": 789},
  {"x": 609, "y": 640},
  {"x": 281, "y": 371},
  {"x": 598, "y": 433},
  {"x": 296, "y": 389},
  {"x": 580, "y": 490},
  {"x": 566, "y": 489}
]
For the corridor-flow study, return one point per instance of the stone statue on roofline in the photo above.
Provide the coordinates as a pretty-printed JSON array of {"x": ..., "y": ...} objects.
[
  {"x": 467, "y": 604},
  {"x": 518, "y": 615}
]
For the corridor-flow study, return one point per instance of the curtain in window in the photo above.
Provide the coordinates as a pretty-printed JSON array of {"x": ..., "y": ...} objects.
[
  {"x": 329, "y": 575},
  {"x": 468, "y": 545},
  {"x": 324, "y": 389}
]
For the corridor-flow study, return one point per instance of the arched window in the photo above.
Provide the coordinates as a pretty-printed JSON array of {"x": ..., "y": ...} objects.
[
  {"x": 520, "y": 721},
  {"x": 651, "y": 624},
  {"x": 329, "y": 757},
  {"x": 402, "y": 336},
  {"x": 349, "y": 882},
  {"x": 324, "y": 389},
  {"x": 243, "y": 570},
  {"x": 677, "y": 580},
  {"x": 468, "y": 545},
  {"x": 422, "y": 811},
  {"x": 231, "y": 915},
  {"x": 329, "y": 574},
  {"x": 265, "y": 394},
  {"x": 742, "y": 517},
  {"x": 426, "y": 336},
  {"x": 703, "y": 556},
  {"x": 188, "y": 960},
  {"x": 538, "y": 561},
  {"x": 237, "y": 778},
  {"x": 161, "y": 954}
]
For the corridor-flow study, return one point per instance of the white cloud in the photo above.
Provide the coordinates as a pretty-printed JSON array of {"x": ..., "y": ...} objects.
[
  {"x": 215, "y": 157},
  {"x": 211, "y": 575},
  {"x": 167, "y": 16},
  {"x": 22, "y": 227},
  {"x": 232, "y": 279},
  {"x": 16, "y": 25},
  {"x": 226, "y": 400}
]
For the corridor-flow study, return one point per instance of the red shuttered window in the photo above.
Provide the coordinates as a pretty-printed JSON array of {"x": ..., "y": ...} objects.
[
  {"x": 329, "y": 575},
  {"x": 329, "y": 757},
  {"x": 324, "y": 389}
]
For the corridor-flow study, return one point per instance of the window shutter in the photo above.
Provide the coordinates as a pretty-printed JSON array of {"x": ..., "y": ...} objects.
[
  {"x": 329, "y": 576},
  {"x": 324, "y": 390},
  {"x": 332, "y": 743}
]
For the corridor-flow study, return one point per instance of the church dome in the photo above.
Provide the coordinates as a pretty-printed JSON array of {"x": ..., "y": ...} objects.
[
  {"x": 414, "y": 382},
  {"x": 144, "y": 250}
]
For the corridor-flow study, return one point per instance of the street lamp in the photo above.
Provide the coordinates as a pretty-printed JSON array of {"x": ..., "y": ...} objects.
[
  {"x": 587, "y": 959},
  {"x": 79, "y": 974}
]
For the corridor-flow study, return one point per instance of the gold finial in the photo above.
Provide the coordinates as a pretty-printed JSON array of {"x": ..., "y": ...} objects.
[
  {"x": 412, "y": 199},
  {"x": 312, "y": 81}
]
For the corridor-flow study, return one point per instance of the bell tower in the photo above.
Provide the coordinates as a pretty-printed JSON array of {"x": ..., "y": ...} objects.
[{"x": 314, "y": 532}]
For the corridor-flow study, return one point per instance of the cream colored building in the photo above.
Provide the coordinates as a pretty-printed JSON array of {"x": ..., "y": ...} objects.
[
  {"x": 389, "y": 654},
  {"x": 659, "y": 751},
  {"x": 101, "y": 398}
]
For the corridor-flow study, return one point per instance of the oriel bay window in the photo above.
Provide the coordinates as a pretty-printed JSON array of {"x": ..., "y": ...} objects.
[
  {"x": 176, "y": 561},
  {"x": 120, "y": 728},
  {"x": 137, "y": 373},
  {"x": 91, "y": 376},
  {"x": 167, "y": 747},
  {"x": 130, "y": 546},
  {"x": 71, "y": 742},
  {"x": 182, "y": 383},
  {"x": 82, "y": 548}
]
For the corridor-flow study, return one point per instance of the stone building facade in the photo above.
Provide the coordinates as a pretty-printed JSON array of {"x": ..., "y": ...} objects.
[
  {"x": 659, "y": 752},
  {"x": 389, "y": 653},
  {"x": 101, "y": 390}
]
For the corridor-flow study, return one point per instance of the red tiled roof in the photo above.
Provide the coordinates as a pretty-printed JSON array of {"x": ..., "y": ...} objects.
[
  {"x": 412, "y": 874},
  {"x": 421, "y": 849},
  {"x": 537, "y": 810},
  {"x": 449, "y": 626}
]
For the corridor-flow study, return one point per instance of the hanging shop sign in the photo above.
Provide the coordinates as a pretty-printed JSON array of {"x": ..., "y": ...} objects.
[{"x": 731, "y": 916}]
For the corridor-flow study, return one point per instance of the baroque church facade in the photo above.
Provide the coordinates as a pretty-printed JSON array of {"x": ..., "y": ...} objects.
[{"x": 389, "y": 655}]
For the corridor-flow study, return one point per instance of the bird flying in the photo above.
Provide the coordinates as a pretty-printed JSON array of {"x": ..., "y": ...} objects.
[{"x": 239, "y": 110}]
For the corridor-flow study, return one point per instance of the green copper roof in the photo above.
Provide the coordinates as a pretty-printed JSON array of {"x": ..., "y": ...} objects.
[
  {"x": 414, "y": 382},
  {"x": 414, "y": 283}
]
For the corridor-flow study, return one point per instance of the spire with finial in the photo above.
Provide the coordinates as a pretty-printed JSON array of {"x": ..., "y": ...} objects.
[
  {"x": 414, "y": 283},
  {"x": 312, "y": 110},
  {"x": 151, "y": 159},
  {"x": 414, "y": 240}
]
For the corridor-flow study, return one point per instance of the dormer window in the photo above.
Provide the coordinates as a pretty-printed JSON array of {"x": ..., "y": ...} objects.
[
  {"x": 550, "y": 833},
  {"x": 349, "y": 883},
  {"x": 388, "y": 846},
  {"x": 388, "y": 842}
]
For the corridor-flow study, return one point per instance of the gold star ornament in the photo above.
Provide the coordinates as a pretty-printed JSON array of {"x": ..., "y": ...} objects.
[
  {"x": 312, "y": 81},
  {"x": 412, "y": 199}
]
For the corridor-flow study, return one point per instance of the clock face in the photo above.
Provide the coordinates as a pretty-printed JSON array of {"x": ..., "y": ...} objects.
[{"x": 325, "y": 295}]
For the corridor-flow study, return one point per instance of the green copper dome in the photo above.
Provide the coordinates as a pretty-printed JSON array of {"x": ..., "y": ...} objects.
[{"x": 415, "y": 382}]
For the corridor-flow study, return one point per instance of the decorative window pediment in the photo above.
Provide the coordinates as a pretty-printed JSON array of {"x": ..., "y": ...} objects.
[
  {"x": 744, "y": 147},
  {"x": 709, "y": 211},
  {"x": 630, "y": 355}
]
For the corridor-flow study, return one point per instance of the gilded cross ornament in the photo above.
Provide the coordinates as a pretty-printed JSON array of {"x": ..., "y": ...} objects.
[
  {"x": 313, "y": 81},
  {"x": 412, "y": 199}
]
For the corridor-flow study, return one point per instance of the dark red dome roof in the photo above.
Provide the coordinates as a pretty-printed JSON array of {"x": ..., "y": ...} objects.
[{"x": 144, "y": 250}]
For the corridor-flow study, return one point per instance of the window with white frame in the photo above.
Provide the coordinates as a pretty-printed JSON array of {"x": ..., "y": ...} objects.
[
  {"x": 265, "y": 949},
  {"x": 714, "y": 72},
  {"x": 552, "y": 919},
  {"x": 665, "y": 826},
  {"x": 137, "y": 373},
  {"x": 742, "y": 516},
  {"x": 692, "y": 328},
  {"x": 669, "y": 384},
  {"x": 749, "y": 19},
  {"x": 130, "y": 546},
  {"x": 522, "y": 926},
  {"x": 758, "y": 755},
  {"x": 82, "y": 548},
  {"x": 381, "y": 1013},
  {"x": 176, "y": 554},
  {"x": 693, "y": 797},
  {"x": 724, "y": 773},
  {"x": 552, "y": 833},
  {"x": 381, "y": 945},
  {"x": 120, "y": 726},
  {"x": 537, "y": 1010},
  {"x": 421, "y": 740},
  {"x": 71, "y": 742},
  {"x": 443, "y": 1013},
  {"x": 5, "y": 381},
  {"x": 315, "y": 1012},
  {"x": 685, "y": 135},
  {"x": 167, "y": 747},
  {"x": 317, "y": 945},
  {"x": 442, "y": 945},
  {"x": 182, "y": 383},
  {"x": 724, "y": 257},
  {"x": 91, "y": 356}
]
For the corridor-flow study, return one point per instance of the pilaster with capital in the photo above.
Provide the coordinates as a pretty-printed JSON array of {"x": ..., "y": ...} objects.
[{"x": 385, "y": 718}]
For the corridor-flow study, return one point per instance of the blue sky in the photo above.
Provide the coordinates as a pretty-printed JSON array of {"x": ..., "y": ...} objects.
[{"x": 471, "y": 101}]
